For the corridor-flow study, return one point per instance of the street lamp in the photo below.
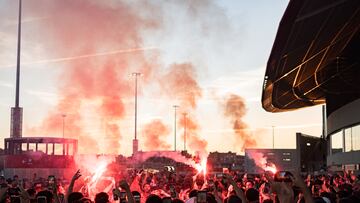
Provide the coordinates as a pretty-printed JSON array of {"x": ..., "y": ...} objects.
[
  {"x": 135, "y": 141},
  {"x": 17, "y": 112},
  {"x": 63, "y": 124},
  {"x": 273, "y": 139},
  {"x": 185, "y": 122},
  {"x": 175, "y": 107}
]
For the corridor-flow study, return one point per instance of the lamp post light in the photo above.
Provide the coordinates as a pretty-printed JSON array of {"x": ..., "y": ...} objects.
[
  {"x": 63, "y": 125},
  {"x": 135, "y": 141},
  {"x": 17, "y": 111},
  {"x": 185, "y": 123},
  {"x": 273, "y": 138},
  {"x": 175, "y": 107},
  {"x": 135, "y": 74}
]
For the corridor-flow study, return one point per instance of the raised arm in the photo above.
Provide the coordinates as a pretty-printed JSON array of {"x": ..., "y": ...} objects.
[
  {"x": 301, "y": 184},
  {"x": 3, "y": 192},
  {"x": 55, "y": 192},
  {"x": 70, "y": 189},
  {"x": 125, "y": 186},
  {"x": 283, "y": 190},
  {"x": 24, "y": 195},
  {"x": 236, "y": 188}
]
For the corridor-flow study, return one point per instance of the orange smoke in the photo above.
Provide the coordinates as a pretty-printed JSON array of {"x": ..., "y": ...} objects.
[
  {"x": 94, "y": 85},
  {"x": 180, "y": 83},
  {"x": 235, "y": 109},
  {"x": 154, "y": 134},
  {"x": 193, "y": 141}
]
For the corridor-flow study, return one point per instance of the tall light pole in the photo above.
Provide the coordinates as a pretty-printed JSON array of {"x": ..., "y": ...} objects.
[
  {"x": 185, "y": 122},
  {"x": 273, "y": 139},
  {"x": 175, "y": 107},
  {"x": 18, "y": 59},
  {"x": 63, "y": 125},
  {"x": 16, "y": 112},
  {"x": 135, "y": 141}
]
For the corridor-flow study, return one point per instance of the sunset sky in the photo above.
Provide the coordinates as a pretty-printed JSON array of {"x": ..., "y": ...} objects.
[{"x": 77, "y": 58}]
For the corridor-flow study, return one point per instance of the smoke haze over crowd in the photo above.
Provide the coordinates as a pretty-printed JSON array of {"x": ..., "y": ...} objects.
[
  {"x": 98, "y": 86},
  {"x": 77, "y": 60}
]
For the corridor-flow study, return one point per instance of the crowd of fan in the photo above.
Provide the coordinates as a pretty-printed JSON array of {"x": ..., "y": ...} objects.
[{"x": 169, "y": 187}]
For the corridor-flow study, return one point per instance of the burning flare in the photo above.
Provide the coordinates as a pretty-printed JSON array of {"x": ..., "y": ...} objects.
[
  {"x": 97, "y": 182},
  {"x": 270, "y": 167},
  {"x": 95, "y": 178},
  {"x": 261, "y": 161},
  {"x": 201, "y": 167},
  {"x": 98, "y": 173}
]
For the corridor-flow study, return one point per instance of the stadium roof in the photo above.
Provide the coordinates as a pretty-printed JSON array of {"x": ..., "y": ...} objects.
[{"x": 315, "y": 56}]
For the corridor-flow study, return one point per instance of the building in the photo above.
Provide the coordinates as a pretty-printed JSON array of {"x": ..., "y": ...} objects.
[
  {"x": 309, "y": 156},
  {"x": 256, "y": 160},
  {"x": 46, "y": 156},
  {"x": 315, "y": 60},
  {"x": 313, "y": 151},
  {"x": 217, "y": 162},
  {"x": 25, "y": 156}
]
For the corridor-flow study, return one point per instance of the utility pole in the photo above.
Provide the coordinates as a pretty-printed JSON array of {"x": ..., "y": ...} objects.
[
  {"x": 18, "y": 59},
  {"x": 273, "y": 138},
  {"x": 175, "y": 107},
  {"x": 17, "y": 112},
  {"x": 135, "y": 141},
  {"x": 63, "y": 125},
  {"x": 185, "y": 123}
]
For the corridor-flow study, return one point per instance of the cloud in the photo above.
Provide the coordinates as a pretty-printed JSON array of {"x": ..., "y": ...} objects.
[
  {"x": 239, "y": 79},
  {"x": 230, "y": 130},
  {"x": 308, "y": 125},
  {"x": 23, "y": 20},
  {"x": 47, "y": 97},
  {"x": 84, "y": 56},
  {"x": 6, "y": 84}
]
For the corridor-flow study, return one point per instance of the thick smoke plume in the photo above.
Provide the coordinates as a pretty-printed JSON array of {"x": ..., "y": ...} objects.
[
  {"x": 180, "y": 83},
  {"x": 235, "y": 109},
  {"x": 154, "y": 134},
  {"x": 97, "y": 85},
  {"x": 93, "y": 87}
]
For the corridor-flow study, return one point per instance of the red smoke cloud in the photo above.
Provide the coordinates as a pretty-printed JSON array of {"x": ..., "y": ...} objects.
[
  {"x": 99, "y": 83},
  {"x": 235, "y": 109},
  {"x": 154, "y": 133},
  {"x": 180, "y": 83},
  {"x": 194, "y": 142},
  {"x": 94, "y": 88}
]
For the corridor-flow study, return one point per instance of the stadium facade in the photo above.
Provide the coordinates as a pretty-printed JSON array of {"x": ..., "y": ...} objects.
[{"x": 315, "y": 60}]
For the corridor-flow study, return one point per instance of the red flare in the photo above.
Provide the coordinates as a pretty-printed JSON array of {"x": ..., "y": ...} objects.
[{"x": 270, "y": 167}]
